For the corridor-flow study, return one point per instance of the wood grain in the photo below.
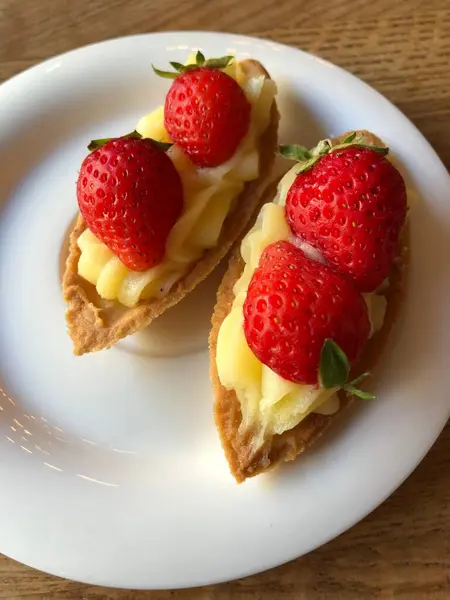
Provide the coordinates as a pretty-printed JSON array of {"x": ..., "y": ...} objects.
[{"x": 402, "y": 550}]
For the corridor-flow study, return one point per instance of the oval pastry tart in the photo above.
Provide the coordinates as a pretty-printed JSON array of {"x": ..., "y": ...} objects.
[
  {"x": 308, "y": 301},
  {"x": 161, "y": 206}
]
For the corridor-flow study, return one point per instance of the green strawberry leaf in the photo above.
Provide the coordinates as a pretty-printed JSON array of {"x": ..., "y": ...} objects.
[
  {"x": 358, "y": 142},
  {"x": 359, "y": 378},
  {"x": 294, "y": 152},
  {"x": 303, "y": 155},
  {"x": 164, "y": 146},
  {"x": 165, "y": 74},
  {"x": 178, "y": 66},
  {"x": 308, "y": 158},
  {"x": 94, "y": 144},
  {"x": 349, "y": 139},
  {"x": 308, "y": 164},
  {"x": 199, "y": 59},
  {"x": 219, "y": 63},
  {"x": 383, "y": 150},
  {"x": 359, "y": 393},
  {"x": 334, "y": 369},
  {"x": 334, "y": 366}
]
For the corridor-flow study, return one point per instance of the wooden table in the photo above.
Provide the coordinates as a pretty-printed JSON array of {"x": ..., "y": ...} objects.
[{"x": 402, "y": 48}]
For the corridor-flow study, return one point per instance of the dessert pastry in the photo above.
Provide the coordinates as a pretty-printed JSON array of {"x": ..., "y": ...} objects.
[
  {"x": 308, "y": 301},
  {"x": 160, "y": 207}
]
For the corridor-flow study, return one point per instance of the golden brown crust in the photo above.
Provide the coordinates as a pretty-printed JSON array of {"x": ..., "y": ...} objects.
[
  {"x": 243, "y": 461},
  {"x": 95, "y": 324}
]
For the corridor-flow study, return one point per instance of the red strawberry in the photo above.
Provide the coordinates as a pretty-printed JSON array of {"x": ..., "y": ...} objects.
[
  {"x": 293, "y": 306},
  {"x": 351, "y": 205},
  {"x": 130, "y": 195},
  {"x": 206, "y": 112}
]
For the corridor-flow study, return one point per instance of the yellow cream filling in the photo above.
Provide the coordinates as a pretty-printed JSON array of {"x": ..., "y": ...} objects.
[
  {"x": 270, "y": 404},
  {"x": 208, "y": 198}
]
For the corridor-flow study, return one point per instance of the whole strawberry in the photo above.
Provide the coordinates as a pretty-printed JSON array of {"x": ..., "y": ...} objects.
[
  {"x": 130, "y": 195},
  {"x": 294, "y": 305},
  {"x": 206, "y": 111},
  {"x": 350, "y": 203}
]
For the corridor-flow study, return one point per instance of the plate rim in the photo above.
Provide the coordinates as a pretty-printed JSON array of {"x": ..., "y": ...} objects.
[{"x": 35, "y": 68}]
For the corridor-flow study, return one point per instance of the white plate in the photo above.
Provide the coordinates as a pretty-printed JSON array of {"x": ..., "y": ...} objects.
[{"x": 110, "y": 468}]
